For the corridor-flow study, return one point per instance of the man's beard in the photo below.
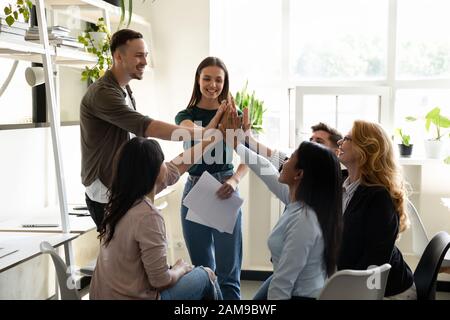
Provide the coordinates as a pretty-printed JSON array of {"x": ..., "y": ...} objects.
[{"x": 136, "y": 76}]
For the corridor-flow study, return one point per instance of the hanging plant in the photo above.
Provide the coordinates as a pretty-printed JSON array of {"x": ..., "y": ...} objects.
[
  {"x": 20, "y": 8},
  {"x": 123, "y": 11},
  {"x": 96, "y": 40}
]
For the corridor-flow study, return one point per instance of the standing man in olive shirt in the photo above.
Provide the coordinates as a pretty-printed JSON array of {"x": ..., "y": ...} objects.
[{"x": 108, "y": 114}]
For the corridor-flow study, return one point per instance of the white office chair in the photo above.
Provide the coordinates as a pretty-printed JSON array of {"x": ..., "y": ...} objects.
[
  {"x": 66, "y": 287},
  {"x": 419, "y": 234},
  {"x": 88, "y": 270},
  {"x": 356, "y": 284}
]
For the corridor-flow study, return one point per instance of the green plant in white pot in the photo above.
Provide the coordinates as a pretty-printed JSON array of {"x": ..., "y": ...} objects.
[
  {"x": 438, "y": 125},
  {"x": 96, "y": 40},
  {"x": 434, "y": 147}
]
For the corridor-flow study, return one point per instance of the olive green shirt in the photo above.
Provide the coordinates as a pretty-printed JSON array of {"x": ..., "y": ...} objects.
[{"x": 105, "y": 123}]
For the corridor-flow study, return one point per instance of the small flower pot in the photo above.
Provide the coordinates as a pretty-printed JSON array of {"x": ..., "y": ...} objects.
[
  {"x": 98, "y": 39},
  {"x": 434, "y": 149},
  {"x": 405, "y": 151}
]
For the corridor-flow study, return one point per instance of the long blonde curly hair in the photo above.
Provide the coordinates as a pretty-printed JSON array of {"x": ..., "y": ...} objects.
[{"x": 378, "y": 165}]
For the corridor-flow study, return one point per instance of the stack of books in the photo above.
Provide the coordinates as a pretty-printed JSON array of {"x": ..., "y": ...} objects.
[
  {"x": 16, "y": 32},
  {"x": 57, "y": 35}
]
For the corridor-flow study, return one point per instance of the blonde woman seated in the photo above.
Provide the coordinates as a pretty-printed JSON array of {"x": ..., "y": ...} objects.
[{"x": 374, "y": 207}]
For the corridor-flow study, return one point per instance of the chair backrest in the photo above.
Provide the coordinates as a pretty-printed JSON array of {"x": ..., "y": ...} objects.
[
  {"x": 356, "y": 284},
  {"x": 67, "y": 290},
  {"x": 419, "y": 235},
  {"x": 430, "y": 262}
]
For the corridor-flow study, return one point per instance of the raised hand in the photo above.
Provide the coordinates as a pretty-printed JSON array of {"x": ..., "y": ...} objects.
[{"x": 246, "y": 125}]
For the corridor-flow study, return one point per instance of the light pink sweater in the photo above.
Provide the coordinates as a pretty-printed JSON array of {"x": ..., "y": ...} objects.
[{"x": 135, "y": 260}]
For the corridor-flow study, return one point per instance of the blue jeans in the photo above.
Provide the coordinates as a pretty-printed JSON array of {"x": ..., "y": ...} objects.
[
  {"x": 263, "y": 291},
  {"x": 222, "y": 252},
  {"x": 194, "y": 285}
]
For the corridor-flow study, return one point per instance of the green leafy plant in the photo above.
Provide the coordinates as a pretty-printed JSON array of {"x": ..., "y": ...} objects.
[
  {"x": 447, "y": 160},
  {"x": 21, "y": 7},
  {"x": 101, "y": 50},
  {"x": 123, "y": 11},
  {"x": 256, "y": 107},
  {"x": 439, "y": 121},
  {"x": 406, "y": 138}
]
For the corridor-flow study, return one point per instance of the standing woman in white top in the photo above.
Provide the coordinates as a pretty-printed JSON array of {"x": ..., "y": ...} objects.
[{"x": 304, "y": 243}]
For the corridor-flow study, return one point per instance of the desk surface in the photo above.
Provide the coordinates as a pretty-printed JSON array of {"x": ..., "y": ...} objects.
[
  {"x": 78, "y": 224},
  {"x": 27, "y": 245}
]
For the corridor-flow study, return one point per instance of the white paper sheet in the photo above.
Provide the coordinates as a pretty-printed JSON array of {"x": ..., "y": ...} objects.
[{"x": 207, "y": 209}]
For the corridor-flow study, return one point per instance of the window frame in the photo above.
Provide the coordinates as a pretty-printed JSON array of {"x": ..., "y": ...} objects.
[{"x": 383, "y": 92}]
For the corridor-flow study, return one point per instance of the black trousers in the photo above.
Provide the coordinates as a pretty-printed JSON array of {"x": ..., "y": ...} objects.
[{"x": 97, "y": 211}]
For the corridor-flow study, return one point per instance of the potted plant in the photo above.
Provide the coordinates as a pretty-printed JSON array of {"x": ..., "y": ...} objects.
[
  {"x": 21, "y": 7},
  {"x": 405, "y": 147},
  {"x": 96, "y": 40},
  {"x": 256, "y": 108},
  {"x": 434, "y": 147}
]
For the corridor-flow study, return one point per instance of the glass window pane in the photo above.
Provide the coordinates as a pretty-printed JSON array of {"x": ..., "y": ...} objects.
[
  {"x": 338, "y": 39},
  {"x": 16, "y": 101},
  {"x": 318, "y": 108},
  {"x": 423, "y": 39},
  {"x": 246, "y": 34},
  {"x": 357, "y": 107}
]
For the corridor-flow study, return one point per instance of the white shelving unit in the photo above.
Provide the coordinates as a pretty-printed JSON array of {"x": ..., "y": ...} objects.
[
  {"x": 51, "y": 57},
  {"x": 90, "y": 10}
]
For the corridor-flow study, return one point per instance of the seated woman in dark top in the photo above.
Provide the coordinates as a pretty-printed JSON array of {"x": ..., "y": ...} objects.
[{"x": 374, "y": 205}]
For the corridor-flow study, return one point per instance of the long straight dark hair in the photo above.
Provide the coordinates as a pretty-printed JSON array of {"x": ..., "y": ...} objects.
[
  {"x": 208, "y": 62},
  {"x": 321, "y": 189},
  {"x": 136, "y": 168}
]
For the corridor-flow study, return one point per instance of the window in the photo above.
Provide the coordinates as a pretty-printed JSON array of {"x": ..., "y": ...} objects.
[
  {"x": 338, "y": 107},
  {"x": 423, "y": 39},
  {"x": 400, "y": 45},
  {"x": 338, "y": 39}
]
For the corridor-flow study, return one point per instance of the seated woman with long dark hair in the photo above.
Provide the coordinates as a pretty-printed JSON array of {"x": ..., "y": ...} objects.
[
  {"x": 374, "y": 203},
  {"x": 305, "y": 241},
  {"x": 132, "y": 263}
]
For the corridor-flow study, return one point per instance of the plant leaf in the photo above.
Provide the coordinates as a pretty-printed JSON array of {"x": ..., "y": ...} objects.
[
  {"x": 130, "y": 11},
  {"x": 427, "y": 124},
  {"x": 10, "y": 20},
  {"x": 444, "y": 122},
  {"x": 447, "y": 160},
  {"x": 122, "y": 12}
]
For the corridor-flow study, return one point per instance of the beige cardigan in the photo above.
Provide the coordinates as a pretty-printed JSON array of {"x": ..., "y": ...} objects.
[{"x": 135, "y": 260}]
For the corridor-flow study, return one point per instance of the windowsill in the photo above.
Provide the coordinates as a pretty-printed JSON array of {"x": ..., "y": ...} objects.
[
  {"x": 35, "y": 125},
  {"x": 419, "y": 161}
]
